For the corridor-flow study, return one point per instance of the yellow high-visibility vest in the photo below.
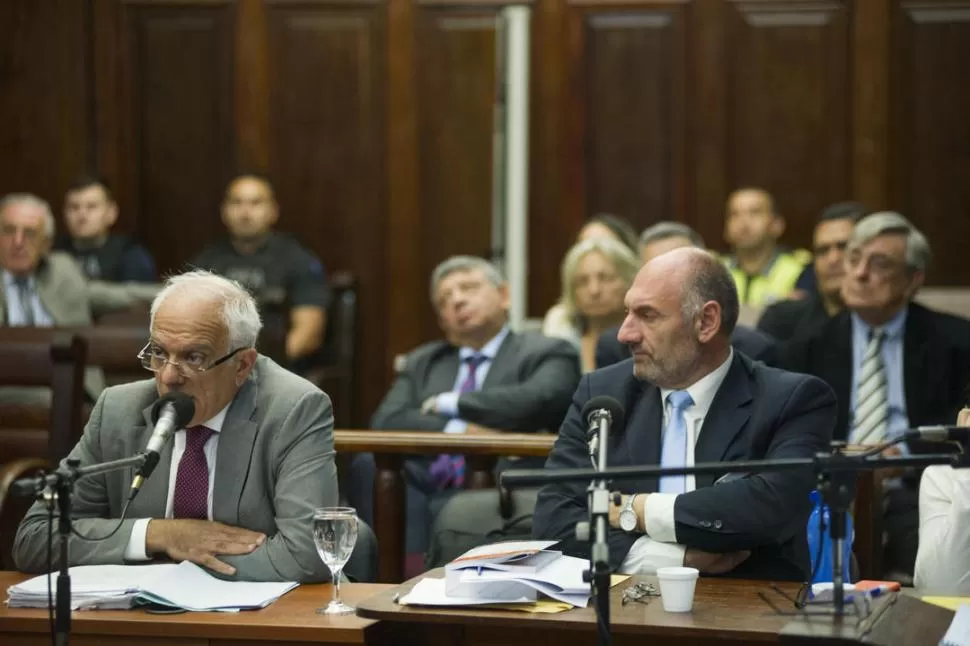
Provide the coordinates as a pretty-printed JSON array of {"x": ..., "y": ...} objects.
[{"x": 775, "y": 284}]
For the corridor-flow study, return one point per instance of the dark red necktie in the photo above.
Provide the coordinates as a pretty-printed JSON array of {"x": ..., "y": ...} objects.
[{"x": 191, "y": 498}]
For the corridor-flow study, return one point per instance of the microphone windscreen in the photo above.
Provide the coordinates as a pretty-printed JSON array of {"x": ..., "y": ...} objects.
[
  {"x": 184, "y": 407},
  {"x": 605, "y": 402}
]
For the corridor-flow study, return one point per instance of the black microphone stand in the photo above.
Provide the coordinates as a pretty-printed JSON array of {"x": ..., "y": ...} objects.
[
  {"x": 59, "y": 485},
  {"x": 835, "y": 472}
]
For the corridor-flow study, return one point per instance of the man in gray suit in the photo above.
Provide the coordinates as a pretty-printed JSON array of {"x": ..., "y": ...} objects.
[
  {"x": 236, "y": 489},
  {"x": 40, "y": 288},
  {"x": 482, "y": 378}
]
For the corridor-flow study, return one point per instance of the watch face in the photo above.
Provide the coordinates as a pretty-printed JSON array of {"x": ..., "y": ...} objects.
[{"x": 628, "y": 520}]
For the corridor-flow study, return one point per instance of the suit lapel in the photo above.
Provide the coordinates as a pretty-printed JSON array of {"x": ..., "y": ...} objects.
[
  {"x": 918, "y": 378},
  {"x": 838, "y": 369},
  {"x": 642, "y": 433},
  {"x": 726, "y": 418},
  {"x": 442, "y": 372},
  {"x": 153, "y": 497},
  {"x": 237, "y": 440},
  {"x": 504, "y": 364}
]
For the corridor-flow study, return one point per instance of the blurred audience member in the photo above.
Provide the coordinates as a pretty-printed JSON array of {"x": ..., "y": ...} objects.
[
  {"x": 481, "y": 378},
  {"x": 892, "y": 363},
  {"x": 595, "y": 276},
  {"x": 90, "y": 212},
  {"x": 287, "y": 280},
  {"x": 607, "y": 225},
  {"x": 41, "y": 288},
  {"x": 787, "y": 319},
  {"x": 657, "y": 240},
  {"x": 762, "y": 272}
]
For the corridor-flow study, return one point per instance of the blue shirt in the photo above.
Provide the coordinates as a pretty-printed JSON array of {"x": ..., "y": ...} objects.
[
  {"x": 448, "y": 402},
  {"x": 892, "y": 359}
]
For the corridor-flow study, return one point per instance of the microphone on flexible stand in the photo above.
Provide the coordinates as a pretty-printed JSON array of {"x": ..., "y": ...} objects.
[
  {"x": 170, "y": 413},
  {"x": 601, "y": 414}
]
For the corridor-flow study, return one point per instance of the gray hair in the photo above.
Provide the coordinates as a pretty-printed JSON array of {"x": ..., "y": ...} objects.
[
  {"x": 239, "y": 311},
  {"x": 29, "y": 199},
  {"x": 918, "y": 253},
  {"x": 710, "y": 280},
  {"x": 624, "y": 261},
  {"x": 669, "y": 229},
  {"x": 464, "y": 263}
]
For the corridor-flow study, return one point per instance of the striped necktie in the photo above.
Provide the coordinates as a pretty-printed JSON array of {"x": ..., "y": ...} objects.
[
  {"x": 26, "y": 296},
  {"x": 872, "y": 396}
]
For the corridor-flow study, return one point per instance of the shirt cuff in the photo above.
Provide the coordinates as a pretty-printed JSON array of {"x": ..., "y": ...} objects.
[
  {"x": 135, "y": 550},
  {"x": 456, "y": 426},
  {"x": 447, "y": 404},
  {"x": 646, "y": 555},
  {"x": 658, "y": 516}
]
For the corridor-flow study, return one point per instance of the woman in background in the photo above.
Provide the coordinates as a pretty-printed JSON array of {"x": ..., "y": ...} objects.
[
  {"x": 606, "y": 225},
  {"x": 596, "y": 274},
  {"x": 943, "y": 558}
]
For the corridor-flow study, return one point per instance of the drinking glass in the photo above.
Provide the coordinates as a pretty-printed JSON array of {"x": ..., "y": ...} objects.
[{"x": 335, "y": 533}]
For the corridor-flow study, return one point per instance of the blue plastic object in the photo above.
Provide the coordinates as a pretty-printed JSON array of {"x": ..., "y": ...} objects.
[{"x": 822, "y": 570}]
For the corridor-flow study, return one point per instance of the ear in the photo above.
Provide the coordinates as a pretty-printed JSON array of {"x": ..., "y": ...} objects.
[
  {"x": 505, "y": 296},
  {"x": 915, "y": 282},
  {"x": 708, "y": 323},
  {"x": 111, "y": 215},
  {"x": 274, "y": 211},
  {"x": 246, "y": 361},
  {"x": 777, "y": 226}
]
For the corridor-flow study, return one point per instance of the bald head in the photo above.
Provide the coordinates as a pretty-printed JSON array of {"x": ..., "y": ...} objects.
[{"x": 682, "y": 309}]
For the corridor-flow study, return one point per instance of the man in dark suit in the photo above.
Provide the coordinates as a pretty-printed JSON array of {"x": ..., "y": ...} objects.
[
  {"x": 892, "y": 363},
  {"x": 690, "y": 398},
  {"x": 796, "y": 317},
  {"x": 657, "y": 240},
  {"x": 482, "y": 378}
]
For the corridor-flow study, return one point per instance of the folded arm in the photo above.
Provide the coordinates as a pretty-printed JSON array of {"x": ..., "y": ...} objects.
[{"x": 401, "y": 407}]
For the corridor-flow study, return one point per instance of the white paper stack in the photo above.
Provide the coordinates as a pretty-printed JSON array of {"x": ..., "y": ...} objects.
[
  {"x": 112, "y": 587},
  {"x": 959, "y": 631},
  {"x": 511, "y": 572}
]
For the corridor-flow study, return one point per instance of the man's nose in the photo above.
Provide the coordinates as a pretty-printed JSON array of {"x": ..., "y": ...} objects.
[
  {"x": 628, "y": 331},
  {"x": 170, "y": 375}
]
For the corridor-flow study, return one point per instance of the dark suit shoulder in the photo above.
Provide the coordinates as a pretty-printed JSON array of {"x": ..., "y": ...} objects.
[
  {"x": 537, "y": 343},
  {"x": 776, "y": 381},
  {"x": 954, "y": 329}
]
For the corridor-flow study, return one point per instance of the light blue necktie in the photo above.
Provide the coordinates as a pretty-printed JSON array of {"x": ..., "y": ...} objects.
[{"x": 674, "y": 450}]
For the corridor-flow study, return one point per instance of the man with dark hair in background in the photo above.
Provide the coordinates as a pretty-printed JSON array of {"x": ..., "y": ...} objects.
[
  {"x": 287, "y": 280},
  {"x": 90, "y": 212},
  {"x": 787, "y": 319}
]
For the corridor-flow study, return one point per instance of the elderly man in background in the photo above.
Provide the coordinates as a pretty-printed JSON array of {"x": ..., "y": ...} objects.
[
  {"x": 44, "y": 288},
  {"x": 236, "y": 489},
  {"x": 893, "y": 363}
]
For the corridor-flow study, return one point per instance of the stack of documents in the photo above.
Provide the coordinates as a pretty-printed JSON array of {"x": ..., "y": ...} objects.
[
  {"x": 512, "y": 572},
  {"x": 186, "y": 586},
  {"x": 959, "y": 632}
]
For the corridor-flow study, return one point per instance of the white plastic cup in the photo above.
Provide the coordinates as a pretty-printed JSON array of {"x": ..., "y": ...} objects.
[{"x": 677, "y": 587}]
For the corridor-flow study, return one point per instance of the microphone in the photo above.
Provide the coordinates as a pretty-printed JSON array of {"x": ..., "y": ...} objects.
[
  {"x": 940, "y": 434},
  {"x": 600, "y": 410},
  {"x": 172, "y": 411}
]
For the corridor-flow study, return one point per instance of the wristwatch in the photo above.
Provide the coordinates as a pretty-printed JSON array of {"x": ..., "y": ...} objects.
[{"x": 628, "y": 517}]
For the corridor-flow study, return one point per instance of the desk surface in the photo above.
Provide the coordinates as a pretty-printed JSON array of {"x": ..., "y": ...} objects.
[
  {"x": 422, "y": 442},
  {"x": 728, "y": 609},
  {"x": 291, "y": 619}
]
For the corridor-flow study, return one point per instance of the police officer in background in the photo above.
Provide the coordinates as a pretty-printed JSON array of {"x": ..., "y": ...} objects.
[
  {"x": 89, "y": 212},
  {"x": 287, "y": 280},
  {"x": 762, "y": 271}
]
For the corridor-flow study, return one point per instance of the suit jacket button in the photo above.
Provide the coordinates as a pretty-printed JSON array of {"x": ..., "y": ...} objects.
[{"x": 718, "y": 524}]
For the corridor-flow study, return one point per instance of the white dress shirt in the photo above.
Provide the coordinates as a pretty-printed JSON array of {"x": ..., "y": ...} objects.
[
  {"x": 658, "y": 547},
  {"x": 16, "y": 309},
  {"x": 943, "y": 558},
  {"x": 136, "y": 550}
]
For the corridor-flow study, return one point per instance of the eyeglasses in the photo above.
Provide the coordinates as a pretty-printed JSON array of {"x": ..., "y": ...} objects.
[
  {"x": 641, "y": 592},
  {"x": 155, "y": 359}
]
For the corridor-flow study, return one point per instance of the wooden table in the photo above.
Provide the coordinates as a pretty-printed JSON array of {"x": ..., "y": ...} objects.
[
  {"x": 725, "y": 611},
  {"x": 291, "y": 620},
  {"x": 390, "y": 448}
]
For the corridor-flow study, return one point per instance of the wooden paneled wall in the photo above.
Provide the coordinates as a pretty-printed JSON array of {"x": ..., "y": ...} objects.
[{"x": 374, "y": 119}]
